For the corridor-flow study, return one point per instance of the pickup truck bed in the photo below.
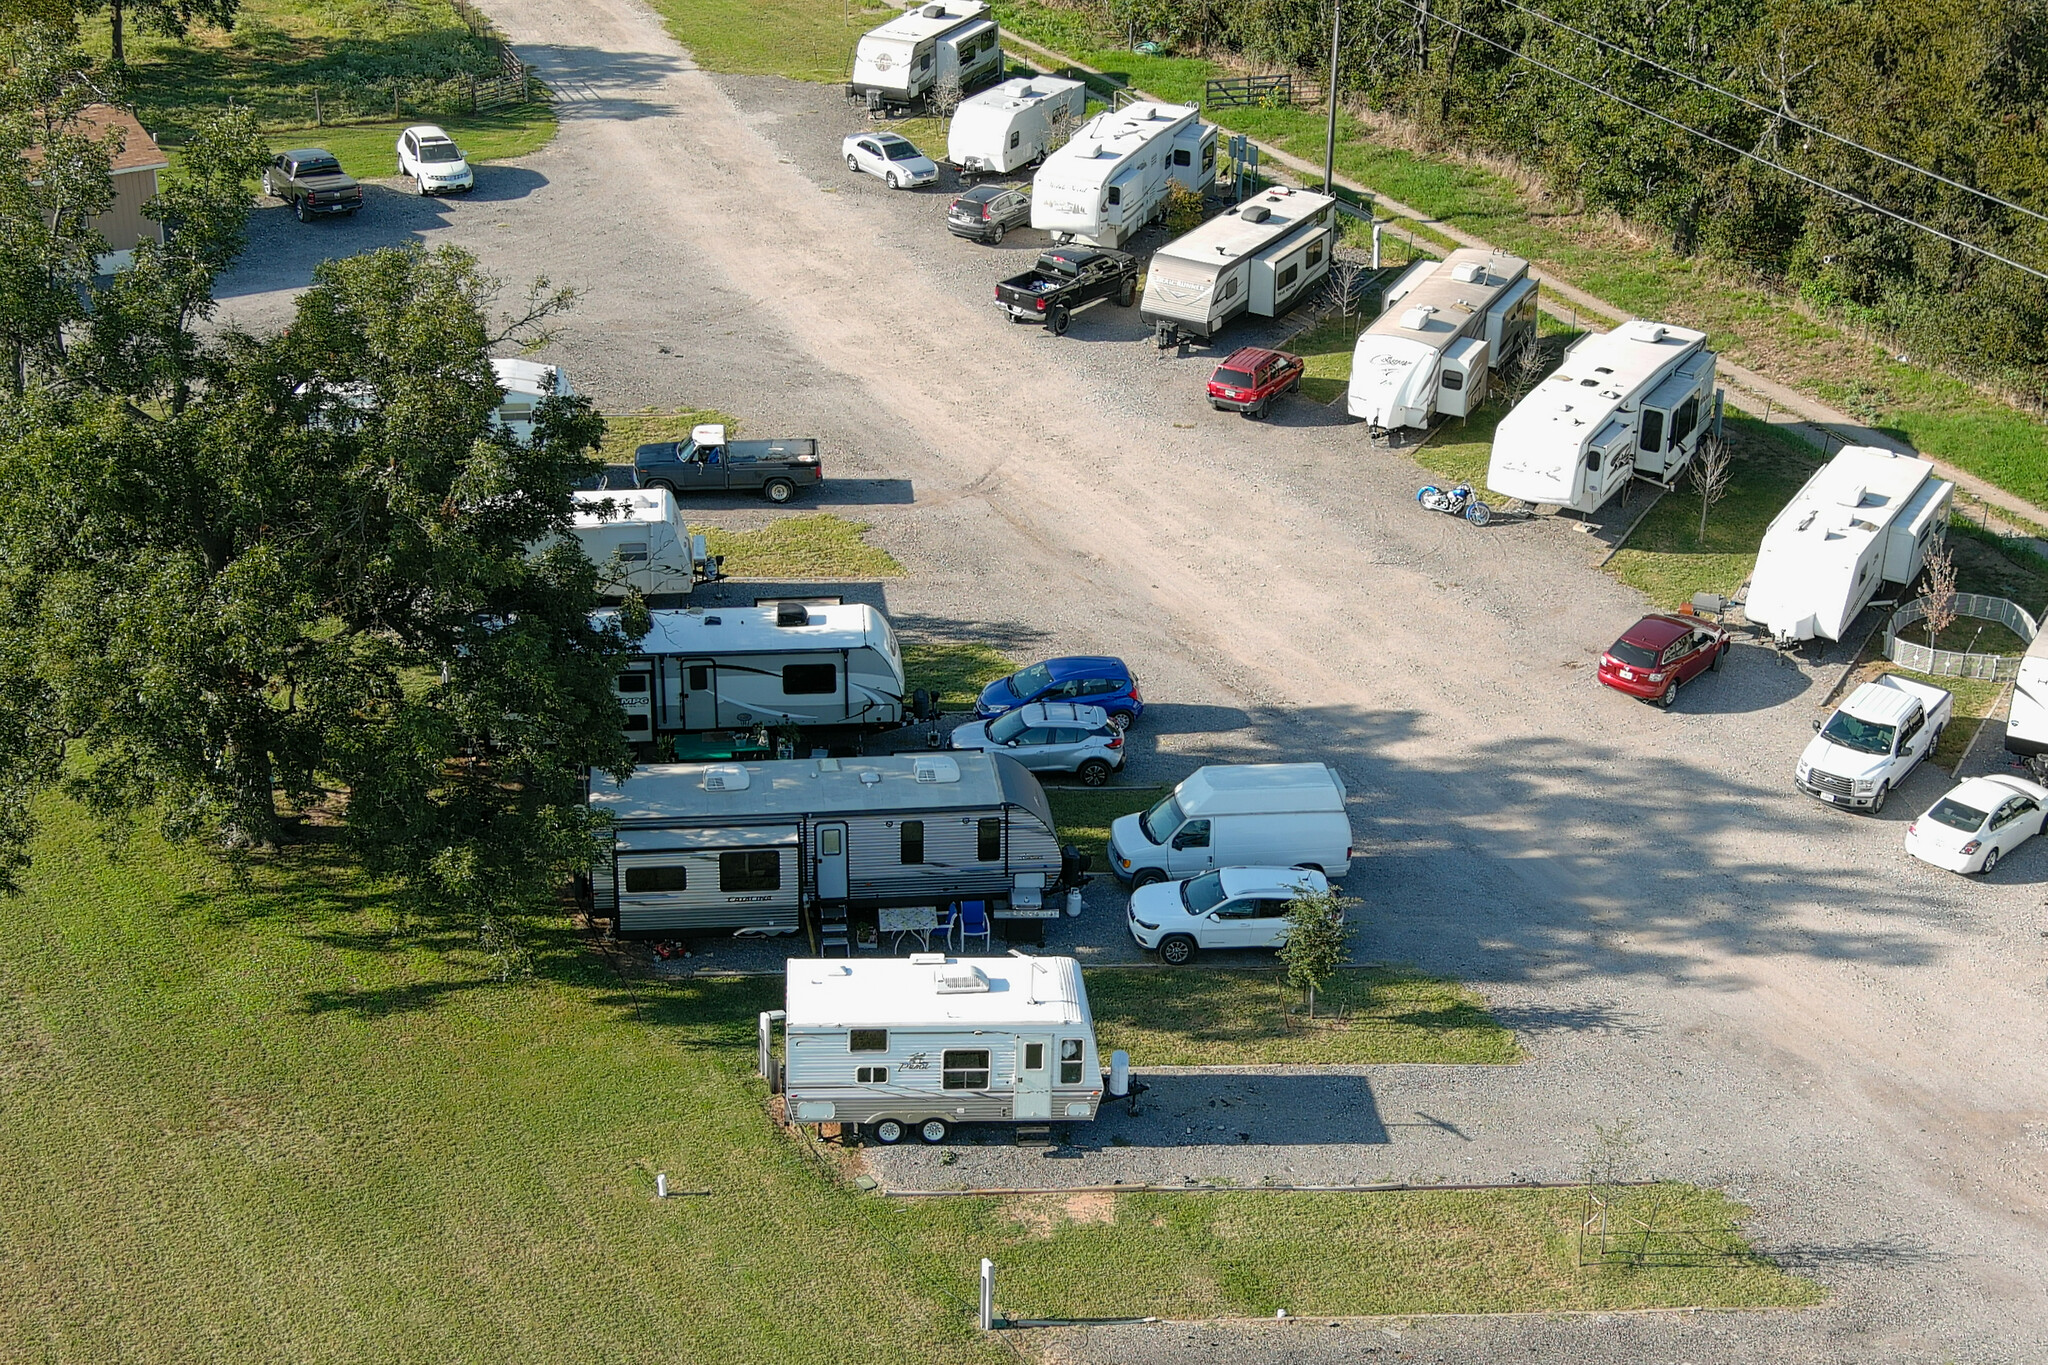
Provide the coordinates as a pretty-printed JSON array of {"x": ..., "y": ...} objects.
[{"x": 1067, "y": 280}]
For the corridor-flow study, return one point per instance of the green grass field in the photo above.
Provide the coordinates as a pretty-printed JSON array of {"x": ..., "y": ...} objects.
[
  {"x": 270, "y": 1122},
  {"x": 367, "y": 150},
  {"x": 806, "y": 40},
  {"x": 954, "y": 672},
  {"x": 1084, "y": 815},
  {"x": 623, "y": 431},
  {"x": 817, "y": 546}
]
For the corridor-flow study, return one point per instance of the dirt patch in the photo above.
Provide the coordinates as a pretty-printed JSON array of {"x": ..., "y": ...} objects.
[{"x": 1041, "y": 1215}]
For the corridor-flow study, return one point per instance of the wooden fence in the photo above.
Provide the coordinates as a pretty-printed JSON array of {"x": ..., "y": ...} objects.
[{"x": 1271, "y": 92}]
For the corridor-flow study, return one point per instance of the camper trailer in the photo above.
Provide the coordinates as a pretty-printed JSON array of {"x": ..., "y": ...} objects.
[
  {"x": 1866, "y": 518},
  {"x": 1631, "y": 403},
  {"x": 2026, "y": 724},
  {"x": 1009, "y": 125},
  {"x": 1262, "y": 257},
  {"x": 1445, "y": 325},
  {"x": 755, "y": 846},
  {"x": 1111, "y": 178},
  {"x": 525, "y": 383},
  {"x": 901, "y": 62},
  {"x": 638, "y": 540},
  {"x": 917, "y": 1045},
  {"x": 735, "y": 668}
]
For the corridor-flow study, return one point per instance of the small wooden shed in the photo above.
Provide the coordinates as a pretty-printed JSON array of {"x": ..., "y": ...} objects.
[{"x": 125, "y": 225}]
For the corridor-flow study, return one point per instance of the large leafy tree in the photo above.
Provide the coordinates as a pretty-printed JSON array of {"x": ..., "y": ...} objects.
[{"x": 165, "y": 18}]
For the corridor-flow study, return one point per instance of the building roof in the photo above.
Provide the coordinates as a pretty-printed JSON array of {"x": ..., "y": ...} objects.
[
  {"x": 139, "y": 151},
  {"x": 906, "y": 992},
  {"x": 1245, "y": 229}
]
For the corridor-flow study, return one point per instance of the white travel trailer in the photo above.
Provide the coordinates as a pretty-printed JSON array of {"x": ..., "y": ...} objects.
[
  {"x": 526, "y": 383},
  {"x": 1262, "y": 257},
  {"x": 734, "y": 668},
  {"x": 637, "y": 539},
  {"x": 1633, "y": 402},
  {"x": 899, "y": 63},
  {"x": 756, "y": 846},
  {"x": 1111, "y": 178},
  {"x": 2026, "y": 724},
  {"x": 1445, "y": 324},
  {"x": 1008, "y": 125},
  {"x": 1866, "y": 518},
  {"x": 917, "y": 1045}
]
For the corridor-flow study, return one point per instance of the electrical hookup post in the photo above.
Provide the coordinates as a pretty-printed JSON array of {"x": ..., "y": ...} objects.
[{"x": 988, "y": 1295}]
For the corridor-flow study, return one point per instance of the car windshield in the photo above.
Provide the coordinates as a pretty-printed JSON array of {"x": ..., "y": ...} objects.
[
  {"x": 1633, "y": 655},
  {"x": 439, "y": 151},
  {"x": 1956, "y": 815},
  {"x": 1007, "y": 727},
  {"x": 900, "y": 151},
  {"x": 1233, "y": 377},
  {"x": 1027, "y": 683},
  {"x": 1203, "y": 894},
  {"x": 1161, "y": 821},
  {"x": 1861, "y": 735}
]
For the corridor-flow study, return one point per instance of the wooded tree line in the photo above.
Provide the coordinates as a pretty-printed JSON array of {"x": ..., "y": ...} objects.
[
  {"x": 250, "y": 578},
  {"x": 1960, "y": 89}
]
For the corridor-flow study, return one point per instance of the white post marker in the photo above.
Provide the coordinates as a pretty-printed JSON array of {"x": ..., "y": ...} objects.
[
  {"x": 988, "y": 1295},
  {"x": 661, "y": 1185}
]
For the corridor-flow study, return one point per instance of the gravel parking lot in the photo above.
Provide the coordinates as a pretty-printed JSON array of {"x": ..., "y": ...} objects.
[{"x": 1793, "y": 1009}]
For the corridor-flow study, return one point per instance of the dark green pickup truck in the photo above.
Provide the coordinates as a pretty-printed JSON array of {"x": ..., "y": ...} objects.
[
  {"x": 312, "y": 182},
  {"x": 709, "y": 463}
]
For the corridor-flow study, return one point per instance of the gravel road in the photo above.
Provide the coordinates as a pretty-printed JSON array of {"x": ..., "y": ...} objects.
[{"x": 1792, "y": 1008}]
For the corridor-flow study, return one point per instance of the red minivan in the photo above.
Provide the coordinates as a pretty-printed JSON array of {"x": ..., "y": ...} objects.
[
  {"x": 1251, "y": 377},
  {"x": 1658, "y": 653}
]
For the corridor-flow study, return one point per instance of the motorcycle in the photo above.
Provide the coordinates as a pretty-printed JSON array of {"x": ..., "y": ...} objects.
[{"x": 1458, "y": 502}]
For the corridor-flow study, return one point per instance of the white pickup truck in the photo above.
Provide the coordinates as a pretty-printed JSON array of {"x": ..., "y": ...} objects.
[{"x": 1872, "y": 741}]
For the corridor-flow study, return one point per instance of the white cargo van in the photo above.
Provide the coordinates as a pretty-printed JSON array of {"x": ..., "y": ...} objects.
[{"x": 1233, "y": 815}]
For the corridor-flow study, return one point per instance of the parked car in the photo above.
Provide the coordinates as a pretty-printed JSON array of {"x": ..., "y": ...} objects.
[
  {"x": 1066, "y": 280},
  {"x": 1872, "y": 742},
  {"x": 890, "y": 156},
  {"x": 1092, "y": 681},
  {"x": 1251, "y": 377},
  {"x": 312, "y": 182},
  {"x": 1232, "y": 907},
  {"x": 1051, "y": 737},
  {"x": 1978, "y": 823},
  {"x": 1658, "y": 654},
  {"x": 709, "y": 463},
  {"x": 612, "y": 478},
  {"x": 435, "y": 163},
  {"x": 986, "y": 212},
  {"x": 1237, "y": 815}
]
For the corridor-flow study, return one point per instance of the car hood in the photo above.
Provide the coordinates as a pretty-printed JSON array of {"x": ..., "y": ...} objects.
[
  {"x": 445, "y": 170},
  {"x": 1158, "y": 903},
  {"x": 972, "y": 735},
  {"x": 997, "y": 696},
  {"x": 1126, "y": 833},
  {"x": 1826, "y": 756}
]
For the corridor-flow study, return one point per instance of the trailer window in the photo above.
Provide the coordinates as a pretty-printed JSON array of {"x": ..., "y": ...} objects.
[
  {"x": 1229, "y": 289},
  {"x": 1652, "y": 436},
  {"x": 871, "y": 1075},
  {"x": 1453, "y": 381},
  {"x": 1315, "y": 255},
  {"x": 700, "y": 678},
  {"x": 632, "y": 682},
  {"x": 911, "y": 836},
  {"x": 760, "y": 870},
  {"x": 1287, "y": 276},
  {"x": 1116, "y": 194},
  {"x": 1034, "y": 1056},
  {"x": 1684, "y": 420},
  {"x": 667, "y": 878},
  {"x": 636, "y": 720},
  {"x": 1208, "y": 156},
  {"x": 1015, "y": 138},
  {"x": 964, "y": 1069},
  {"x": 1070, "y": 1061},
  {"x": 810, "y": 680},
  {"x": 633, "y": 551},
  {"x": 988, "y": 839},
  {"x": 867, "y": 1040},
  {"x": 1181, "y": 157}
]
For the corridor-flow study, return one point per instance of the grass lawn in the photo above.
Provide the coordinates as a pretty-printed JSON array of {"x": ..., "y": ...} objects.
[
  {"x": 806, "y": 40},
  {"x": 1989, "y": 563},
  {"x": 954, "y": 672},
  {"x": 624, "y": 431},
  {"x": 815, "y": 546},
  {"x": 1084, "y": 816},
  {"x": 1196, "y": 1017},
  {"x": 367, "y": 150},
  {"x": 267, "y": 1122}
]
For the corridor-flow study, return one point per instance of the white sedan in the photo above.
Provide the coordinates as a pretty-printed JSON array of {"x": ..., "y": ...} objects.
[
  {"x": 891, "y": 157},
  {"x": 1978, "y": 823},
  {"x": 435, "y": 163},
  {"x": 1232, "y": 907}
]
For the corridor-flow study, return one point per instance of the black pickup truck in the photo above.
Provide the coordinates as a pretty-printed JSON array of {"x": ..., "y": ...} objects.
[
  {"x": 312, "y": 181},
  {"x": 709, "y": 463},
  {"x": 1066, "y": 280}
]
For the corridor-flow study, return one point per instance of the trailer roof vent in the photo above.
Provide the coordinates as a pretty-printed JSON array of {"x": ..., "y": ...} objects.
[
  {"x": 1417, "y": 319},
  {"x": 1257, "y": 213},
  {"x": 935, "y": 768},
  {"x": 1853, "y": 495},
  {"x": 934, "y": 11},
  {"x": 791, "y": 614},
  {"x": 870, "y": 777},
  {"x": 927, "y": 959},
  {"x": 957, "y": 978},
  {"x": 1469, "y": 272},
  {"x": 726, "y": 777},
  {"x": 1648, "y": 331}
]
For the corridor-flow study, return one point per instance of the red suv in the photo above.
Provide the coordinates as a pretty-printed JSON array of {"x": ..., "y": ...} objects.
[
  {"x": 1250, "y": 378},
  {"x": 1658, "y": 653}
]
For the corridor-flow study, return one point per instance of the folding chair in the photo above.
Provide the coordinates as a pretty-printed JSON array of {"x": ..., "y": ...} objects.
[{"x": 971, "y": 919}]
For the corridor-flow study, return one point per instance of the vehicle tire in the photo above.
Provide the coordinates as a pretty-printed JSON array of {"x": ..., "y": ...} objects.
[
  {"x": 419, "y": 186},
  {"x": 889, "y": 1132},
  {"x": 299, "y": 210},
  {"x": 1150, "y": 876},
  {"x": 893, "y": 182},
  {"x": 1422, "y": 494},
  {"x": 661, "y": 483},
  {"x": 268, "y": 192},
  {"x": 1990, "y": 861},
  {"x": 1670, "y": 697},
  {"x": 1057, "y": 319},
  {"x": 933, "y": 1131},
  {"x": 853, "y": 165},
  {"x": 1177, "y": 950},
  {"x": 1295, "y": 386},
  {"x": 996, "y": 238},
  {"x": 1884, "y": 789},
  {"x": 1127, "y": 295},
  {"x": 1093, "y": 773},
  {"x": 1122, "y": 720},
  {"x": 1478, "y": 513},
  {"x": 778, "y": 491},
  {"x": 1720, "y": 657}
]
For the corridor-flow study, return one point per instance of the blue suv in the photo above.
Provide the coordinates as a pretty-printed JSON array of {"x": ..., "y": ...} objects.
[{"x": 1090, "y": 681}]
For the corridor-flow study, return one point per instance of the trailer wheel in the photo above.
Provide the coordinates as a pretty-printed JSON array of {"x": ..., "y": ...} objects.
[
  {"x": 778, "y": 490},
  {"x": 889, "y": 1132},
  {"x": 933, "y": 1131},
  {"x": 1176, "y": 950},
  {"x": 1093, "y": 773},
  {"x": 1057, "y": 320}
]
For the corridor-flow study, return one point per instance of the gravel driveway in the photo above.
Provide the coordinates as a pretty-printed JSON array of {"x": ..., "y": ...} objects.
[{"x": 1792, "y": 1008}]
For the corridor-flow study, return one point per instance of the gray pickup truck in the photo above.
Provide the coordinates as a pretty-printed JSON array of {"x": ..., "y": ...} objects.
[
  {"x": 709, "y": 463},
  {"x": 312, "y": 182}
]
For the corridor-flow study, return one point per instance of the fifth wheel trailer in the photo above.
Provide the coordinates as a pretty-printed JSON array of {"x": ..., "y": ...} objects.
[
  {"x": 1866, "y": 518},
  {"x": 899, "y": 63},
  {"x": 1445, "y": 324},
  {"x": 1009, "y": 125},
  {"x": 1262, "y": 257},
  {"x": 2026, "y": 725},
  {"x": 1111, "y": 178},
  {"x": 1631, "y": 403}
]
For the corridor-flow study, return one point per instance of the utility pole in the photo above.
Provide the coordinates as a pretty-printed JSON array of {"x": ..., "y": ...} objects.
[{"x": 1330, "y": 145}]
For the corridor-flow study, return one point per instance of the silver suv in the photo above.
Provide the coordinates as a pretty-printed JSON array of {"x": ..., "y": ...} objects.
[{"x": 1051, "y": 737}]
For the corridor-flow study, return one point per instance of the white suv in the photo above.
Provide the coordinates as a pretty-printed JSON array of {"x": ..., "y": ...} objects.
[
  {"x": 1051, "y": 737},
  {"x": 1232, "y": 907},
  {"x": 434, "y": 162}
]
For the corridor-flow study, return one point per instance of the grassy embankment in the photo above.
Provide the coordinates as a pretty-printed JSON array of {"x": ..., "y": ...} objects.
[{"x": 269, "y": 1120}]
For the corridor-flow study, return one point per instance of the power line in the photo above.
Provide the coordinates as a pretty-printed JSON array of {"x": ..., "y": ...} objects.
[
  {"x": 1792, "y": 119},
  {"x": 1856, "y": 199}
]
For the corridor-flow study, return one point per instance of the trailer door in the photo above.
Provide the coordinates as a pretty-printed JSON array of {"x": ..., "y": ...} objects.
[
  {"x": 1033, "y": 1096},
  {"x": 700, "y": 694},
  {"x": 831, "y": 862}
]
